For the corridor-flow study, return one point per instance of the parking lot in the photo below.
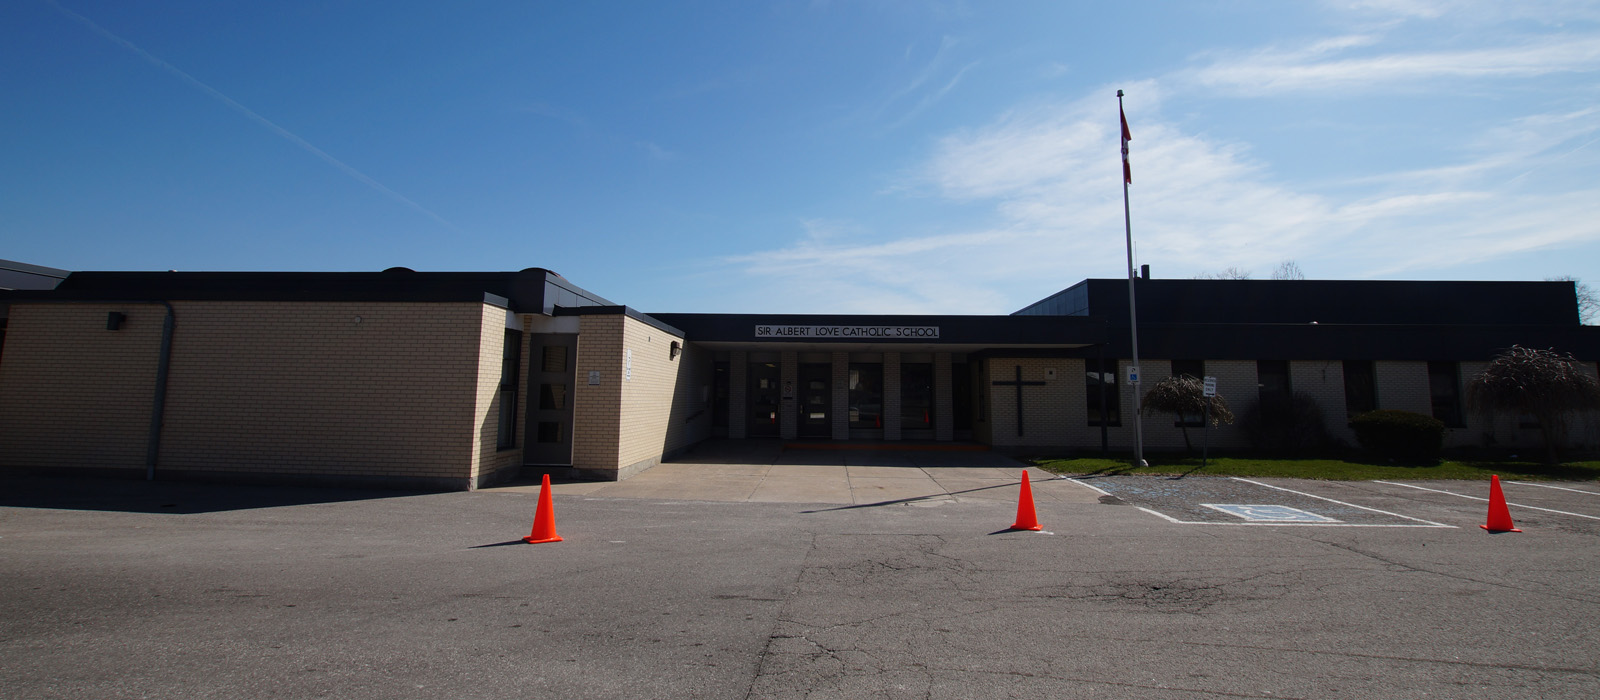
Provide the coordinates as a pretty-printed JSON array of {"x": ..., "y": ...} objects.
[
  {"x": 171, "y": 590},
  {"x": 1387, "y": 504}
]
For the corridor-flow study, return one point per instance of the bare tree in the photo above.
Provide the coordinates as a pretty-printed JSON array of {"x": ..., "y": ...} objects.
[
  {"x": 1184, "y": 396},
  {"x": 1232, "y": 273},
  {"x": 1543, "y": 383},
  {"x": 1588, "y": 300},
  {"x": 1288, "y": 270}
]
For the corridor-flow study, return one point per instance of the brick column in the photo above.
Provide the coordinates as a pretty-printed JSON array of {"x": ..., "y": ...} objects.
[
  {"x": 841, "y": 396},
  {"x": 944, "y": 406},
  {"x": 788, "y": 400},
  {"x": 891, "y": 396},
  {"x": 738, "y": 413}
]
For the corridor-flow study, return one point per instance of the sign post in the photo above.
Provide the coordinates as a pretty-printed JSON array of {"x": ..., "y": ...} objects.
[{"x": 1209, "y": 391}]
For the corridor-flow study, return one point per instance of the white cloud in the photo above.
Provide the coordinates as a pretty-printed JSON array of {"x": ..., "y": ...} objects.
[
  {"x": 1272, "y": 71},
  {"x": 1048, "y": 175},
  {"x": 1051, "y": 176}
]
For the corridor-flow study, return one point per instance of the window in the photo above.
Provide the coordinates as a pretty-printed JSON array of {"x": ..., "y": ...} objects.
[
  {"x": 1444, "y": 388},
  {"x": 865, "y": 385},
  {"x": 1360, "y": 388},
  {"x": 1197, "y": 370},
  {"x": 555, "y": 358},
  {"x": 916, "y": 396},
  {"x": 1190, "y": 368},
  {"x": 1096, "y": 377},
  {"x": 1272, "y": 386},
  {"x": 510, "y": 369}
]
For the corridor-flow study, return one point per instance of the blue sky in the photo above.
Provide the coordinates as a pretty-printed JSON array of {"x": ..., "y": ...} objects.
[{"x": 849, "y": 157}]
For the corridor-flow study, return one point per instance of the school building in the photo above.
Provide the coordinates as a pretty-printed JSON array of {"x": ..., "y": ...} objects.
[{"x": 456, "y": 380}]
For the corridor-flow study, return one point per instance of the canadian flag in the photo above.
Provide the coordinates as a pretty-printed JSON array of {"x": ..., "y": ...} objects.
[{"x": 1127, "y": 170}]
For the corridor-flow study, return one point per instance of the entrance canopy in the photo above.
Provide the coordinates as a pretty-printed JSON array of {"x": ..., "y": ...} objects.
[{"x": 892, "y": 333}]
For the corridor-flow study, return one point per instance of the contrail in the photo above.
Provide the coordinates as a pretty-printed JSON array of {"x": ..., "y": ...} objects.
[{"x": 246, "y": 111}]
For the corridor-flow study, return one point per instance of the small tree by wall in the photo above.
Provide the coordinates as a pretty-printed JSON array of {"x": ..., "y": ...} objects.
[
  {"x": 1548, "y": 385},
  {"x": 1184, "y": 396}
]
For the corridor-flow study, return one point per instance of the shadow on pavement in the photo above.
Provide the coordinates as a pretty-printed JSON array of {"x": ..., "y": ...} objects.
[{"x": 181, "y": 498}]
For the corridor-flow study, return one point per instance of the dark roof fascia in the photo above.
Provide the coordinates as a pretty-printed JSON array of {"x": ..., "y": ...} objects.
[
  {"x": 1336, "y": 301},
  {"x": 1347, "y": 341},
  {"x": 519, "y": 291},
  {"x": 615, "y": 309},
  {"x": 962, "y": 330}
]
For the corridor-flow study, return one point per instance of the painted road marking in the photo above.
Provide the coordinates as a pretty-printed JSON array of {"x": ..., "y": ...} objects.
[
  {"x": 1429, "y": 523},
  {"x": 1267, "y": 513},
  {"x": 1088, "y": 486},
  {"x": 1547, "y": 486},
  {"x": 1420, "y": 523},
  {"x": 1485, "y": 500}
]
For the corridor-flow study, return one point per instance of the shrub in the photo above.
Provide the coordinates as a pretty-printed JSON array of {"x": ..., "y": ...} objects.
[{"x": 1400, "y": 435}]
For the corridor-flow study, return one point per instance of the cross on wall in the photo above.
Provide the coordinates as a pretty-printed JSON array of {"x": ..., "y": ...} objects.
[{"x": 1018, "y": 384}]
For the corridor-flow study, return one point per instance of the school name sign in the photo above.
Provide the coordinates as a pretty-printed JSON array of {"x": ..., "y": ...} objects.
[{"x": 850, "y": 332}]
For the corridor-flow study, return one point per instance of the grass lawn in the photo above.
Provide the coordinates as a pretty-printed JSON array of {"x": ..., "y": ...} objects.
[{"x": 1334, "y": 469}]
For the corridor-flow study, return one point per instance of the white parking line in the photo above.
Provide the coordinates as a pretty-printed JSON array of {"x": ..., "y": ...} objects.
[
  {"x": 1087, "y": 486},
  {"x": 1176, "y": 521},
  {"x": 1547, "y": 486},
  {"x": 1485, "y": 500},
  {"x": 1170, "y": 519},
  {"x": 1342, "y": 503}
]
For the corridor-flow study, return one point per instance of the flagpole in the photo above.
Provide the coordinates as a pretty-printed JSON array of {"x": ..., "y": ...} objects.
[{"x": 1133, "y": 314}]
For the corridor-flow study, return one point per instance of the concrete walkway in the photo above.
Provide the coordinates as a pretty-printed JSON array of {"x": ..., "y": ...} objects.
[{"x": 766, "y": 471}]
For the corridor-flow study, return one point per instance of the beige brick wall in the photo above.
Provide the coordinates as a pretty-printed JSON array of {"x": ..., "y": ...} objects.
[
  {"x": 1506, "y": 431},
  {"x": 653, "y": 407},
  {"x": 1403, "y": 386},
  {"x": 597, "y": 408},
  {"x": 306, "y": 388},
  {"x": 334, "y": 389},
  {"x": 488, "y": 460},
  {"x": 73, "y": 394},
  {"x": 1053, "y": 414},
  {"x": 1236, "y": 383},
  {"x": 1323, "y": 380}
]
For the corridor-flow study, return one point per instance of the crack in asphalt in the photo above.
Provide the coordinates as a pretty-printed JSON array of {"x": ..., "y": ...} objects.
[
  {"x": 1446, "y": 574},
  {"x": 1592, "y": 672}
]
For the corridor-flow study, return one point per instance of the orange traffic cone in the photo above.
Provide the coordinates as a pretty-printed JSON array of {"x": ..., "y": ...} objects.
[
  {"x": 544, "y": 519},
  {"x": 1499, "y": 515},
  {"x": 1026, "y": 519}
]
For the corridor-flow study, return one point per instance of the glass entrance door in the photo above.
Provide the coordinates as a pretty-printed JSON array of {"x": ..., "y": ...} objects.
[
  {"x": 916, "y": 400},
  {"x": 548, "y": 439},
  {"x": 816, "y": 401},
  {"x": 866, "y": 400},
  {"x": 764, "y": 396}
]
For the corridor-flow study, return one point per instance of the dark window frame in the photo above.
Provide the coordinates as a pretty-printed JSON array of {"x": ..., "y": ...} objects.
[
  {"x": 510, "y": 378},
  {"x": 1364, "y": 381},
  {"x": 1091, "y": 385},
  {"x": 1270, "y": 398},
  {"x": 1444, "y": 392}
]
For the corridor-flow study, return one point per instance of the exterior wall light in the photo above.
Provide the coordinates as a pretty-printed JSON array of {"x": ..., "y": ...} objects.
[
  {"x": 114, "y": 320},
  {"x": 674, "y": 351}
]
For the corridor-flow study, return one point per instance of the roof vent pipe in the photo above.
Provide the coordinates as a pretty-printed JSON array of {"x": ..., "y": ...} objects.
[{"x": 1144, "y": 271}]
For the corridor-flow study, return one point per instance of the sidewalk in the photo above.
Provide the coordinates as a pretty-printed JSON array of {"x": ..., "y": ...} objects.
[{"x": 765, "y": 471}]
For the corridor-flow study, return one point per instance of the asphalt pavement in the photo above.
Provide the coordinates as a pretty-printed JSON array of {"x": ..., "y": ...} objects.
[{"x": 162, "y": 590}]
